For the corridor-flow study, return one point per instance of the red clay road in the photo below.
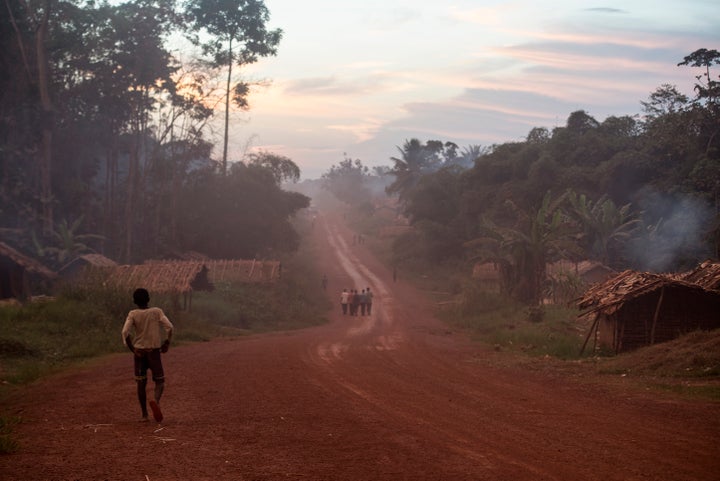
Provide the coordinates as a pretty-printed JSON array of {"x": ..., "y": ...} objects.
[{"x": 392, "y": 396}]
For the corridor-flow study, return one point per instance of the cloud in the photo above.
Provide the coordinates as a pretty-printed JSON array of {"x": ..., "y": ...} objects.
[{"x": 605, "y": 10}]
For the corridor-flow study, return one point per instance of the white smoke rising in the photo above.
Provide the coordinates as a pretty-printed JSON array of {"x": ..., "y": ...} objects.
[{"x": 674, "y": 233}]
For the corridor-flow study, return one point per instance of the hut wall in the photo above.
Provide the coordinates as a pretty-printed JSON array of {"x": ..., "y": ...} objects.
[
  {"x": 681, "y": 311},
  {"x": 606, "y": 332}
]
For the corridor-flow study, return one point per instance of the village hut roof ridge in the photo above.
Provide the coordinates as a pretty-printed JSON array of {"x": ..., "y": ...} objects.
[
  {"x": 28, "y": 263},
  {"x": 627, "y": 285},
  {"x": 707, "y": 275},
  {"x": 156, "y": 277},
  {"x": 227, "y": 270}
]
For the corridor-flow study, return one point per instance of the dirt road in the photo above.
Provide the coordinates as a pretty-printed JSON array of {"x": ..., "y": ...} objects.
[{"x": 392, "y": 396}]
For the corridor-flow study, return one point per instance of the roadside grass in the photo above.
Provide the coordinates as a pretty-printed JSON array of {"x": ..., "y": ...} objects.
[
  {"x": 39, "y": 339},
  {"x": 688, "y": 365},
  {"x": 8, "y": 444},
  {"x": 507, "y": 325}
]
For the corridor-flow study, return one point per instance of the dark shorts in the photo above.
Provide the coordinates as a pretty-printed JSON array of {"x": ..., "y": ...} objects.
[{"x": 149, "y": 359}]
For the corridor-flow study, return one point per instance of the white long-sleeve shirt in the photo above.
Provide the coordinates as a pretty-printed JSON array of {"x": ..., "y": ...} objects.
[{"x": 146, "y": 324}]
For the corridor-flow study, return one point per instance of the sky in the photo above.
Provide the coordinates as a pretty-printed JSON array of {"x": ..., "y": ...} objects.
[{"x": 358, "y": 78}]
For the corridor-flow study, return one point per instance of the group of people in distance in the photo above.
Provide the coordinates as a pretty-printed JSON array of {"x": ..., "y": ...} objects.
[{"x": 356, "y": 303}]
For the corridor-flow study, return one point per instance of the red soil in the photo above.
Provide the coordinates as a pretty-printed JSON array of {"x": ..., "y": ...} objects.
[{"x": 392, "y": 396}]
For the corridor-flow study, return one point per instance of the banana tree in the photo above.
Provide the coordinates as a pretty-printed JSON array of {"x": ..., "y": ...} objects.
[{"x": 522, "y": 251}]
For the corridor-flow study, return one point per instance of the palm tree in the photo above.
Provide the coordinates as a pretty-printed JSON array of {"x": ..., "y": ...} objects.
[{"x": 418, "y": 159}]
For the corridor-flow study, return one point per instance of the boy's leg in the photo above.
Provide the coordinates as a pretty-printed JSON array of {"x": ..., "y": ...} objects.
[
  {"x": 142, "y": 396},
  {"x": 159, "y": 388},
  {"x": 159, "y": 379},
  {"x": 141, "y": 382}
]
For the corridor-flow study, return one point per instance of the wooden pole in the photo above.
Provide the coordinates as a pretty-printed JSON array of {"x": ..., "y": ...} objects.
[
  {"x": 656, "y": 315},
  {"x": 593, "y": 327}
]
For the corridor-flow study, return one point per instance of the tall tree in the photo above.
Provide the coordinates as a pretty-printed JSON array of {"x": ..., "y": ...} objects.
[
  {"x": 282, "y": 168},
  {"x": 418, "y": 159},
  {"x": 32, "y": 33},
  {"x": 347, "y": 181},
  {"x": 238, "y": 36}
]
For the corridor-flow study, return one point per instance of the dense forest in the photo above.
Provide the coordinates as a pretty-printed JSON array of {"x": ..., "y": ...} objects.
[
  {"x": 105, "y": 139},
  {"x": 640, "y": 192}
]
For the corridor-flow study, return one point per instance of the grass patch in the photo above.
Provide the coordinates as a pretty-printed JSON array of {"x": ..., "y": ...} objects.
[
  {"x": 694, "y": 355},
  {"x": 505, "y": 324},
  {"x": 7, "y": 442}
]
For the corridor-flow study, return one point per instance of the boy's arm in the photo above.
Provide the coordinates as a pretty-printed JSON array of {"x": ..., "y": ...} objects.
[
  {"x": 168, "y": 326},
  {"x": 126, "y": 332}
]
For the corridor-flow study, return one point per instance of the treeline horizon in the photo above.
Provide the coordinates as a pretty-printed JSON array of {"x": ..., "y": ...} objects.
[{"x": 633, "y": 192}]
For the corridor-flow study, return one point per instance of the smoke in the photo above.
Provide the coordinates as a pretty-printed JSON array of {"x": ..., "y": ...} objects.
[{"x": 674, "y": 233}]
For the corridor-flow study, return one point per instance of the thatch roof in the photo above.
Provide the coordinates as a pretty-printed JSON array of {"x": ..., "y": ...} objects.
[
  {"x": 175, "y": 277},
  {"x": 580, "y": 268},
  {"x": 394, "y": 230},
  {"x": 180, "y": 276},
  {"x": 98, "y": 260},
  {"x": 706, "y": 275},
  {"x": 235, "y": 270},
  {"x": 486, "y": 271},
  {"x": 27, "y": 263},
  {"x": 610, "y": 295},
  {"x": 95, "y": 260}
]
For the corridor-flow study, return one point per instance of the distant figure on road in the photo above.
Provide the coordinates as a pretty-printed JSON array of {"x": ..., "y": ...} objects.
[
  {"x": 368, "y": 301},
  {"x": 363, "y": 302},
  {"x": 355, "y": 302},
  {"x": 324, "y": 282},
  {"x": 344, "y": 301}
]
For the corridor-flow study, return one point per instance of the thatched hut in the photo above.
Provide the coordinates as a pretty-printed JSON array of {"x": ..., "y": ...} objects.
[
  {"x": 589, "y": 272},
  {"x": 636, "y": 309},
  {"x": 568, "y": 279},
  {"x": 19, "y": 272},
  {"x": 233, "y": 270},
  {"x": 168, "y": 278},
  {"x": 76, "y": 267},
  {"x": 487, "y": 275}
]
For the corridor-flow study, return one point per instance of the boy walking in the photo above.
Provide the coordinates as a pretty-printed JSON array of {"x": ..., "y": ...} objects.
[{"x": 146, "y": 344}]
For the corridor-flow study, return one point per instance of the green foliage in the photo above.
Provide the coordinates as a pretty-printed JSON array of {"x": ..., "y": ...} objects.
[
  {"x": 8, "y": 444},
  {"x": 225, "y": 227},
  {"x": 523, "y": 251},
  {"x": 615, "y": 171},
  {"x": 508, "y": 325},
  {"x": 43, "y": 336}
]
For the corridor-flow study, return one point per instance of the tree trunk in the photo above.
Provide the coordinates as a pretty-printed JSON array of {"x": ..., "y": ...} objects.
[
  {"x": 47, "y": 122},
  {"x": 130, "y": 200},
  {"x": 227, "y": 109}
]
